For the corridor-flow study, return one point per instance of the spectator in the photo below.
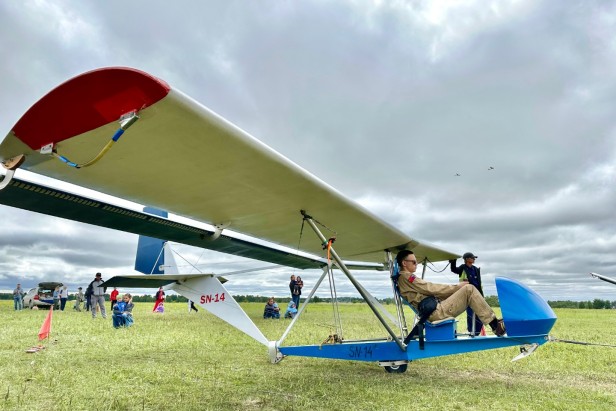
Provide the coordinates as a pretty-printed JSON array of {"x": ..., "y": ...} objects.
[
  {"x": 56, "y": 297},
  {"x": 63, "y": 297},
  {"x": 291, "y": 310},
  {"x": 98, "y": 295},
  {"x": 114, "y": 297},
  {"x": 123, "y": 312},
  {"x": 160, "y": 298},
  {"x": 292, "y": 285},
  {"x": 87, "y": 299},
  {"x": 78, "y": 299},
  {"x": 18, "y": 298},
  {"x": 297, "y": 290},
  {"x": 191, "y": 306},
  {"x": 271, "y": 309},
  {"x": 471, "y": 274}
]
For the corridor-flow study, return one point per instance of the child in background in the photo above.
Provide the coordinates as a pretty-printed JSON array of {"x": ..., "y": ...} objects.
[{"x": 123, "y": 312}]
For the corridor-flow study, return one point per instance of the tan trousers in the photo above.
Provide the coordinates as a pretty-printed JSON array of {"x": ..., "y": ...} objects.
[{"x": 456, "y": 304}]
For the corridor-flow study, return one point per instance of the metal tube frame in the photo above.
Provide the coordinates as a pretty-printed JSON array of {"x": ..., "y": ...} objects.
[
  {"x": 357, "y": 286},
  {"x": 398, "y": 302}
]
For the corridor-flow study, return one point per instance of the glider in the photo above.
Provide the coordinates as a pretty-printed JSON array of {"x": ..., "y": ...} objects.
[
  {"x": 130, "y": 135},
  {"x": 491, "y": 168}
]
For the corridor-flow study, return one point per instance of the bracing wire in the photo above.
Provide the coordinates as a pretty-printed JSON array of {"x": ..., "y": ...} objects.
[
  {"x": 189, "y": 263},
  {"x": 333, "y": 293},
  {"x": 434, "y": 270}
]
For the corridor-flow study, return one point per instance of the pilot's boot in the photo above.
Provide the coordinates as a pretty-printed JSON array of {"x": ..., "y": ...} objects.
[{"x": 498, "y": 327}]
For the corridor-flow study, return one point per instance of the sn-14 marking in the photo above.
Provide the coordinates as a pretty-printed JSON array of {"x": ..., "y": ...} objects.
[
  {"x": 212, "y": 298},
  {"x": 361, "y": 352}
]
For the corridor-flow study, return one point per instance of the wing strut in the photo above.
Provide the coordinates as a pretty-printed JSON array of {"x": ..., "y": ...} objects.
[{"x": 357, "y": 286}]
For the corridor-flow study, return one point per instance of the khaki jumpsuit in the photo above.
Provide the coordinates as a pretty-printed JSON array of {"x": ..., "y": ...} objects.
[{"x": 453, "y": 299}]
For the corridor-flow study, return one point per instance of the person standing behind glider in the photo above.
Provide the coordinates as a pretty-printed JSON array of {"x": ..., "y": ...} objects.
[
  {"x": 87, "y": 300},
  {"x": 114, "y": 297},
  {"x": 18, "y": 300},
  {"x": 78, "y": 299},
  {"x": 297, "y": 290},
  {"x": 471, "y": 274},
  {"x": 56, "y": 298},
  {"x": 160, "y": 297},
  {"x": 98, "y": 295},
  {"x": 63, "y": 297},
  {"x": 292, "y": 285},
  {"x": 452, "y": 300}
]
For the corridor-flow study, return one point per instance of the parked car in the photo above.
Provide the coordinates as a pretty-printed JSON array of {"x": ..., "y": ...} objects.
[{"x": 41, "y": 296}]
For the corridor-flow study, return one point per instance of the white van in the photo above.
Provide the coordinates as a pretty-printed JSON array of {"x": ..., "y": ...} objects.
[{"x": 41, "y": 296}]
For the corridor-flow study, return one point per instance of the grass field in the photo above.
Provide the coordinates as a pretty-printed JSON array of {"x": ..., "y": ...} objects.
[{"x": 181, "y": 361}]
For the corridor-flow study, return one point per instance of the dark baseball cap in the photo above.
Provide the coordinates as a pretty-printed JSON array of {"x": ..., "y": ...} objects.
[
  {"x": 100, "y": 275},
  {"x": 469, "y": 255}
]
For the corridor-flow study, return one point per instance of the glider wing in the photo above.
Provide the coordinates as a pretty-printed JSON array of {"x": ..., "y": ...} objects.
[{"x": 182, "y": 157}]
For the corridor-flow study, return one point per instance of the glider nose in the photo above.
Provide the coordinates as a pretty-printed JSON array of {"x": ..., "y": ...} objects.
[{"x": 525, "y": 312}]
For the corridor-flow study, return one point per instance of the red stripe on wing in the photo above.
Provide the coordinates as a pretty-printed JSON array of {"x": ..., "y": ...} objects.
[{"x": 86, "y": 102}]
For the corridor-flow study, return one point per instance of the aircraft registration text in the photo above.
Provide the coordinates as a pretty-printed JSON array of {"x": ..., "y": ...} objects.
[
  {"x": 212, "y": 298},
  {"x": 361, "y": 352}
]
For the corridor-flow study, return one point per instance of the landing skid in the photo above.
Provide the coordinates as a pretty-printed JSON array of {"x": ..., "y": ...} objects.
[{"x": 389, "y": 355}]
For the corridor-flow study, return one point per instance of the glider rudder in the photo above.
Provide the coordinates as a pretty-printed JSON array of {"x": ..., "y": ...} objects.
[{"x": 149, "y": 256}]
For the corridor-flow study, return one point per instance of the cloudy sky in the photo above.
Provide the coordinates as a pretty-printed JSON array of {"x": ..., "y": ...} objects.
[{"x": 385, "y": 101}]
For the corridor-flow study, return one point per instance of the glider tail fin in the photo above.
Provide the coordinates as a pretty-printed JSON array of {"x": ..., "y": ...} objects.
[{"x": 150, "y": 258}]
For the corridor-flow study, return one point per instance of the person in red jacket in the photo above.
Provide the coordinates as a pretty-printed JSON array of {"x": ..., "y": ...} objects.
[
  {"x": 160, "y": 297},
  {"x": 114, "y": 297}
]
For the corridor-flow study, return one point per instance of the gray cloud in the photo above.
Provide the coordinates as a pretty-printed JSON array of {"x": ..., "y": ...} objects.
[{"x": 384, "y": 102}]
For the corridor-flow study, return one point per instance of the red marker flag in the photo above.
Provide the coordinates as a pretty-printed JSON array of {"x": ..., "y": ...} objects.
[{"x": 46, "y": 327}]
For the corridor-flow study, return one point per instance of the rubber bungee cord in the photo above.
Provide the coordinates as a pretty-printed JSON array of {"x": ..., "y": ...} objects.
[{"x": 124, "y": 125}]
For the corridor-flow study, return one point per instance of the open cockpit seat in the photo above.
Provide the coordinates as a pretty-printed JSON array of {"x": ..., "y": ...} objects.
[{"x": 445, "y": 329}]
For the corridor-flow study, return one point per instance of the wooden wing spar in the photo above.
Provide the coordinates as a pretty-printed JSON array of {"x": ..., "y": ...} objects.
[{"x": 180, "y": 156}]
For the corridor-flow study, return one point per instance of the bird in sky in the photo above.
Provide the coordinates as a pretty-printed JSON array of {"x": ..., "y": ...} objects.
[
  {"x": 491, "y": 168},
  {"x": 457, "y": 175}
]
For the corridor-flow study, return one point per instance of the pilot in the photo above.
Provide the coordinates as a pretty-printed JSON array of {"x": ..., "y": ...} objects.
[
  {"x": 471, "y": 274},
  {"x": 452, "y": 299}
]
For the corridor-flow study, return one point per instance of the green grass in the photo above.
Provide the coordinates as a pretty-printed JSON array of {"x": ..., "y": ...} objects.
[{"x": 178, "y": 361}]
